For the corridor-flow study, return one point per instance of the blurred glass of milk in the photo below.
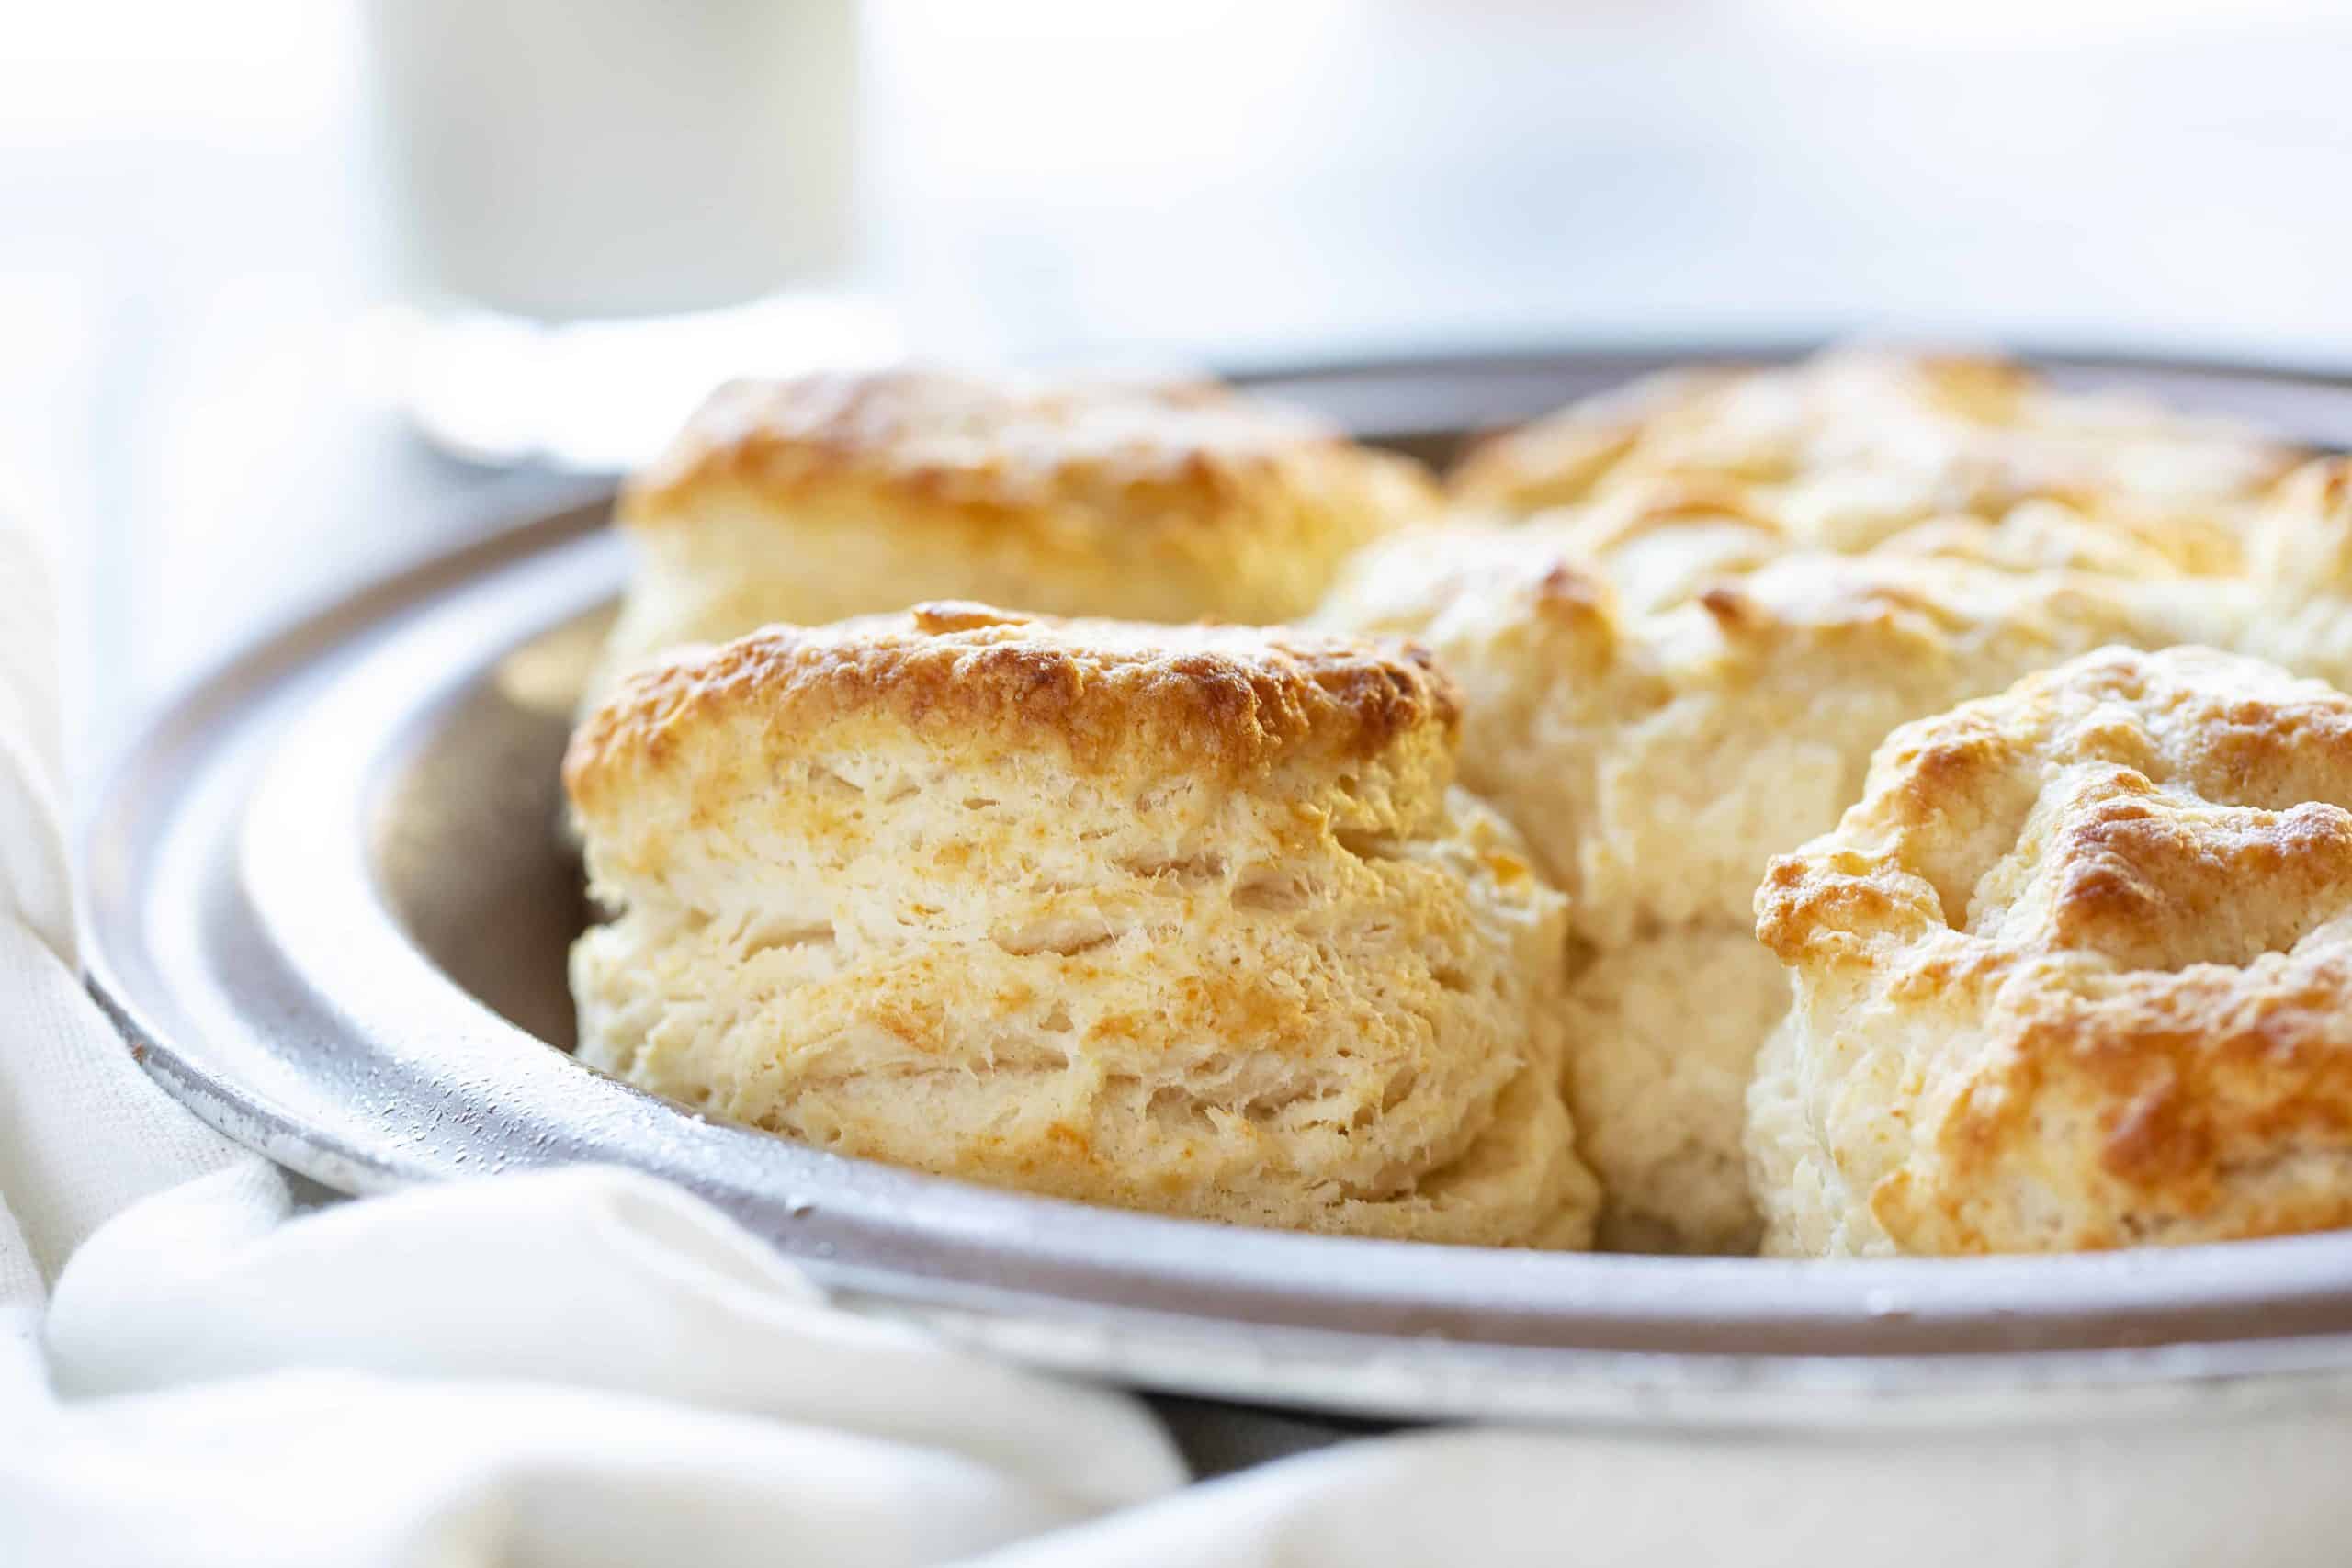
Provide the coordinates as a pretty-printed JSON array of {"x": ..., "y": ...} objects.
[{"x": 599, "y": 208}]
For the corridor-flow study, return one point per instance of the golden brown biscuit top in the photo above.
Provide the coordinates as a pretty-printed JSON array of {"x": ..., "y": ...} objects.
[
  {"x": 1567, "y": 455},
  {"x": 1106, "y": 453},
  {"x": 1918, "y": 432},
  {"x": 2117, "y": 902},
  {"x": 2139, "y": 807},
  {"x": 1684, "y": 573},
  {"x": 1107, "y": 696}
]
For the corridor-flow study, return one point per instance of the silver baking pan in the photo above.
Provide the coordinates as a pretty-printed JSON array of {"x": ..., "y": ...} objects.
[{"x": 328, "y": 903}]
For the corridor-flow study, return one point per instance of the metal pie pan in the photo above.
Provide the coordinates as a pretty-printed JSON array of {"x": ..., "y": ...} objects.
[{"x": 329, "y": 904}]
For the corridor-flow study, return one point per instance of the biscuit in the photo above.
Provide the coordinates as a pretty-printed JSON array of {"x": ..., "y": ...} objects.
[
  {"x": 1661, "y": 695},
  {"x": 809, "y": 500},
  {"x": 1853, "y": 445},
  {"x": 1657, "y": 710},
  {"x": 1180, "y": 919},
  {"x": 2075, "y": 973}
]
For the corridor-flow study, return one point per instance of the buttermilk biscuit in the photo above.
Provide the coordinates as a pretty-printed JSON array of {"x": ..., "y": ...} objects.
[
  {"x": 1853, "y": 445},
  {"x": 1661, "y": 699},
  {"x": 1658, "y": 713},
  {"x": 809, "y": 500},
  {"x": 1188, "y": 920},
  {"x": 2075, "y": 973}
]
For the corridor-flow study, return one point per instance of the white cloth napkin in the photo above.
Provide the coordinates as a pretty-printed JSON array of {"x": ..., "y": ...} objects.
[{"x": 586, "y": 1367}]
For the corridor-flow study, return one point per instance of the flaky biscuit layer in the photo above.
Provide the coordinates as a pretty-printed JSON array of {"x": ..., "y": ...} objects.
[{"x": 1177, "y": 918}]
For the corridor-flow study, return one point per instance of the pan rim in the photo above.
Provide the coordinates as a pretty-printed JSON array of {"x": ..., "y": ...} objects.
[{"x": 1171, "y": 1303}]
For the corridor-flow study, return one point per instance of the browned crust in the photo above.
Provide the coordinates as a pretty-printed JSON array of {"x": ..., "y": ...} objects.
[
  {"x": 1105, "y": 695},
  {"x": 1578, "y": 452},
  {"x": 2156, "y": 1107},
  {"x": 2159, "y": 1041},
  {"x": 1564, "y": 457},
  {"x": 916, "y": 443}
]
